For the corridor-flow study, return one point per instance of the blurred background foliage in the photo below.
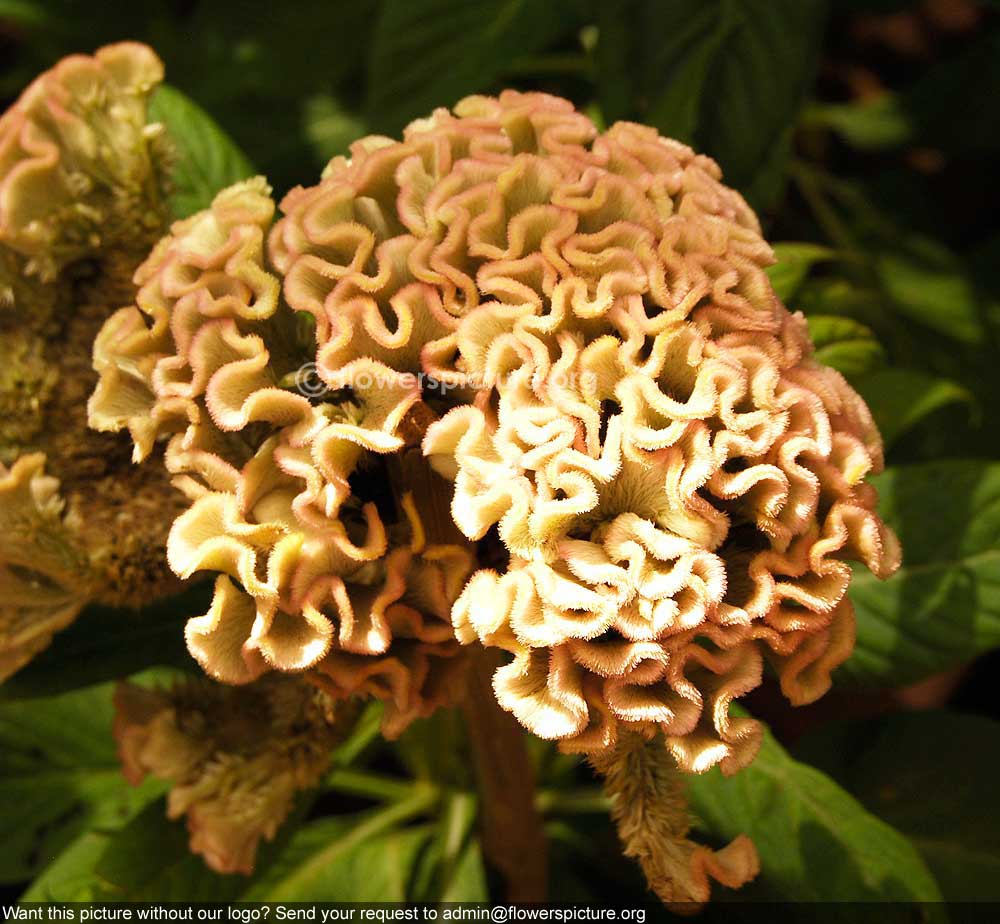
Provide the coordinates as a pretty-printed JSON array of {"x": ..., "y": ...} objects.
[{"x": 866, "y": 133}]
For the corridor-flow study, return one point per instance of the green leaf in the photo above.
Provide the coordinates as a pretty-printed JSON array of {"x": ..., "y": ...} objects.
[
  {"x": 880, "y": 334},
  {"x": 842, "y": 298},
  {"x": 793, "y": 264},
  {"x": 436, "y": 749},
  {"x": 251, "y": 65},
  {"x": 459, "y": 856},
  {"x": 816, "y": 842},
  {"x": 430, "y": 53},
  {"x": 357, "y": 858},
  {"x": 207, "y": 158},
  {"x": 943, "y": 605},
  {"x": 23, "y": 12},
  {"x": 587, "y": 852},
  {"x": 59, "y": 777},
  {"x": 468, "y": 878},
  {"x": 972, "y": 76},
  {"x": 329, "y": 127},
  {"x": 106, "y": 643},
  {"x": 875, "y": 124},
  {"x": 728, "y": 76},
  {"x": 149, "y": 860},
  {"x": 846, "y": 345},
  {"x": 932, "y": 775},
  {"x": 901, "y": 398},
  {"x": 930, "y": 287},
  {"x": 70, "y": 877}
]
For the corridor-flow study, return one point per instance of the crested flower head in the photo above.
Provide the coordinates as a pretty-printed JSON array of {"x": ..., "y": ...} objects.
[
  {"x": 671, "y": 484},
  {"x": 82, "y": 182},
  {"x": 576, "y": 329},
  {"x": 667, "y": 484},
  {"x": 80, "y": 168},
  {"x": 312, "y": 574}
]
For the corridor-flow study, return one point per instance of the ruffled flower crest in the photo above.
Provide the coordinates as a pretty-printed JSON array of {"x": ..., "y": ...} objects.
[
  {"x": 676, "y": 482},
  {"x": 577, "y": 330},
  {"x": 311, "y": 575},
  {"x": 81, "y": 169}
]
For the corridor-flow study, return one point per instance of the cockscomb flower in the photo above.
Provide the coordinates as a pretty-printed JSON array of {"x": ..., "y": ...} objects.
[
  {"x": 312, "y": 574},
  {"x": 677, "y": 484},
  {"x": 236, "y": 757},
  {"x": 81, "y": 170},
  {"x": 83, "y": 177},
  {"x": 665, "y": 483}
]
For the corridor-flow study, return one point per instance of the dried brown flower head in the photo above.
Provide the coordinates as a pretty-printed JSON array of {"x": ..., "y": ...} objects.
[
  {"x": 81, "y": 171},
  {"x": 82, "y": 196},
  {"x": 236, "y": 757},
  {"x": 42, "y": 568}
]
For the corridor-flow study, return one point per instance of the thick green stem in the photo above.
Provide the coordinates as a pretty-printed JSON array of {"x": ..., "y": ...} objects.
[{"x": 375, "y": 786}]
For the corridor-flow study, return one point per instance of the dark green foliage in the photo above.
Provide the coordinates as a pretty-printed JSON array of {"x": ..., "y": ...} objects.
[
  {"x": 816, "y": 843},
  {"x": 206, "y": 160},
  {"x": 727, "y": 76},
  {"x": 883, "y": 206},
  {"x": 932, "y": 775}
]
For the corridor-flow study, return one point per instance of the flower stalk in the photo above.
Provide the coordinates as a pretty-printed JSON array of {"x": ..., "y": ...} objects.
[
  {"x": 646, "y": 789},
  {"x": 512, "y": 834}
]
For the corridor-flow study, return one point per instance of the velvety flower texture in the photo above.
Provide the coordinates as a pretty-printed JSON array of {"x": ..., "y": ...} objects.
[
  {"x": 79, "y": 165},
  {"x": 678, "y": 484},
  {"x": 312, "y": 574},
  {"x": 669, "y": 487},
  {"x": 653, "y": 819}
]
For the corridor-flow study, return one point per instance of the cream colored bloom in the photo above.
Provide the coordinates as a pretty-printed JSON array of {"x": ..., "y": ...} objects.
[
  {"x": 676, "y": 481},
  {"x": 312, "y": 575},
  {"x": 81, "y": 170},
  {"x": 667, "y": 485}
]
